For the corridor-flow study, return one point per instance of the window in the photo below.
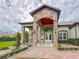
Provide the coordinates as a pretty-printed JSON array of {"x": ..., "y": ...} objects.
[
  {"x": 50, "y": 36},
  {"x": 60, "y": 35},
  {"x": 63, "y": 35}
]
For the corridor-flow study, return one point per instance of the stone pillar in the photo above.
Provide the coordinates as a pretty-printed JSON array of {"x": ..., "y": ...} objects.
[
  {"x": 30, "y": 36},
  {"x": 42, "y": 35},
  {"x": 34, "y": 34},
  {"x": 39, "y": 37},
  {"x": 55, "y": 35},
  {"x": 22, "y": 35}
]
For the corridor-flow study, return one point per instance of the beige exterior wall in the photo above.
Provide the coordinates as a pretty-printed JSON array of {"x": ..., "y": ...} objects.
[
  {"x": 77, "y": 30},
  {"x": 72, "y": 31}
]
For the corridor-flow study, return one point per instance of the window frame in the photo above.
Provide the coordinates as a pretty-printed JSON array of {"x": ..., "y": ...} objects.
[{"x": 62, "y": 34}]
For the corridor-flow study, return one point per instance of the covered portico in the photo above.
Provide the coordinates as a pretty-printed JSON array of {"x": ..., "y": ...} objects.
[{"x": 43, "y": 29}]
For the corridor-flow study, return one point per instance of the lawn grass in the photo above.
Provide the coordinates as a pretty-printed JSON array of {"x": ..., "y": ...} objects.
[{"x": 7, "y": 44}]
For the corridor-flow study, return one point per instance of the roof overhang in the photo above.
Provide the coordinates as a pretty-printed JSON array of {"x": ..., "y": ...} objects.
[
  {"x": 46, "y": 6},
  {"x": 26, "y": 23}
]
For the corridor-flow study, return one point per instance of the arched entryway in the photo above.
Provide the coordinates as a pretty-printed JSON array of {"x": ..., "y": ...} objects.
[
  {"x": 44, "y": 18},
  {"x": 46, "y": 25}
]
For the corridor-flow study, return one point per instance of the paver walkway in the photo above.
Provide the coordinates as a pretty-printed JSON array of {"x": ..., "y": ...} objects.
[{"x": 49, "y": 53}]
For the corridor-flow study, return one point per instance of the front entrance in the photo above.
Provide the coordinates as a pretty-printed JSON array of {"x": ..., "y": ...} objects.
[{"x": 48, "y": 37}]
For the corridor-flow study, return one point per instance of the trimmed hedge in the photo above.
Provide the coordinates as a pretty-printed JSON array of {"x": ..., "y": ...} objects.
[
  {"x": 73, "y": 41},
  {"x": 18, "y": 38},
  {"x": 68, "y": 49},
  {"x": 7, "y": 39},
  {"x": 4, "y": 48},
  {"x": 26, "y": 37},
  {"x": 63, "y": 41}
]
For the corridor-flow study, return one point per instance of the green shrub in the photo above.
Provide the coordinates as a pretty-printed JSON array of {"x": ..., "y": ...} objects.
[
  {"x": 5, "y": 36},
  {"x": 7, "y": 39},
  {"x": 26, "y": 36},
  {"x": 63, "y": 41},
  {"x": 4, "y": 48},
  {"x": 68, "y": 48},
  {"x": 18, "y": 38},
  {"x": 74, "y": 41}
]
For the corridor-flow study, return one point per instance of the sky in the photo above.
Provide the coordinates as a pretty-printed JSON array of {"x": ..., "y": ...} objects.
[{"x": 14, "y": 11}]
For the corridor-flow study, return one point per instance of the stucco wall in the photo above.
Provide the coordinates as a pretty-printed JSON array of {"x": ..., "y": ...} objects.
[
  {"x": 72, "y": 31},
  {"x": 77, "y": 30}
]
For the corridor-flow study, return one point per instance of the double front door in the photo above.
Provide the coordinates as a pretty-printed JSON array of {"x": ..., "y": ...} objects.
[{"x": 48, "y": 37}]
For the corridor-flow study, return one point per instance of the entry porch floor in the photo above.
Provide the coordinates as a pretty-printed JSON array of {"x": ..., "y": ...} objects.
[{"x": 47, "y": 53}]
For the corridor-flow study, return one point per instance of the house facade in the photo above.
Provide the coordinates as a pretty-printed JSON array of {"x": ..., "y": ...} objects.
[{"x": 45, "y": 27}]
